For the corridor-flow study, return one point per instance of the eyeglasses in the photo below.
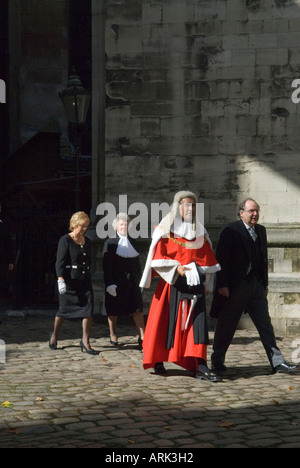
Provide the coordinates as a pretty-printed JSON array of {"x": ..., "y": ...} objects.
[{"x": 192, "y": 205}]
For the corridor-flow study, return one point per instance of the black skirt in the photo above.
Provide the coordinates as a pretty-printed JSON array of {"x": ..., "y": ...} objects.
[
  {"x": 125, "y": 273},
  {"x": 78, "y": 301},
  {"x": 128, "y": 299}
]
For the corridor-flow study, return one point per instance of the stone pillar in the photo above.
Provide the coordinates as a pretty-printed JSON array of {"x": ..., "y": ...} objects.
[{"x": 98, "y": 140}]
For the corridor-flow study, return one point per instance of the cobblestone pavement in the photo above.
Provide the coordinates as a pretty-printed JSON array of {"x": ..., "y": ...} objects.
[{"x": 68, "y": 399}]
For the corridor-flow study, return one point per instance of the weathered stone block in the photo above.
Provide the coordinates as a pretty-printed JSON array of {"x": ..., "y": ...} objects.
[
  {"x": 152, "y": 109},
  {"x": 236, "y": 11},
  {"x": 220, "y": 126},
  {"x": 236, "y": 41},
  {"x": 258, "y": 41},
  {"x": 132, "y": 91},
  {"x": 271, "y": 57},
  {"x": 246, "y": 125},
  {"x": 288, "y": 39},
  {"x": 150, "y": 127},
  {"x": 232, "y": 145},
  {"x": 276, "y": 25},
  {"x": 197, "y": 90},
  {"x": 152, "y": 13},
  {"x": 120, "y": 13},
  {"x": 243, "y": 58},
  {"x": 207, "y": 9}
]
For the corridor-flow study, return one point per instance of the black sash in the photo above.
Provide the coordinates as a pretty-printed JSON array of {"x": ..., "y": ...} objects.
[{"x": 180, "y": 291}]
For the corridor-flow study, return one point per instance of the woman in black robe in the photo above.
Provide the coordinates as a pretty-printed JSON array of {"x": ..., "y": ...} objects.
[
  {"x": 122, "y": 275},
  {"x": 72, "y": 266}
]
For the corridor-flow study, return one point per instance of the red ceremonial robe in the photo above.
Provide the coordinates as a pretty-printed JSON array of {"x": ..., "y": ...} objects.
[{"x": 184, "y": 351}]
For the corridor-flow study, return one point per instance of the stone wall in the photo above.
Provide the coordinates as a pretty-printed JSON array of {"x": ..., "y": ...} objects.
[
  {"x": 198, "y": 96},
  {"x": 197, "y": 86}
]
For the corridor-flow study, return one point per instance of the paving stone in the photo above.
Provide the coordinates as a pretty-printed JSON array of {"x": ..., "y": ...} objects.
[{"x": 68, "y": 399}]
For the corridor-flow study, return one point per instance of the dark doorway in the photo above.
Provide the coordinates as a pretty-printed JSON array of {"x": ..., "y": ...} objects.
[
  {"x": 4, "y": 114},
  {"x": 80, "y": 54}
]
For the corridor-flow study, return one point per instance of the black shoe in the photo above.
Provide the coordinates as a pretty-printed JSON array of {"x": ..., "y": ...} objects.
[
  {"x": 219, "y": 368},
  {"x": 52, "y": 346},
  {"x": 284, "y": 368},
  {"x": 140, "y": 343},
  {"x": 207, "y": 375},
  {"x": 114, "y": 343},
  {"x": 89, "y": 351},
  {"x": 160, "y": 369}
]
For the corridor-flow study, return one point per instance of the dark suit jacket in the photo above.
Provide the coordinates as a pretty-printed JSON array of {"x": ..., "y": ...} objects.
[
  {"x": 116, "y": 268},
  {"x": 72, "y": 262},
  {"x": 234, "y": 255}
]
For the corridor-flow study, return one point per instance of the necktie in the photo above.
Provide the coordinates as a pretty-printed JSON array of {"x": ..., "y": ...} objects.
[{"x": 252, "y": 233}]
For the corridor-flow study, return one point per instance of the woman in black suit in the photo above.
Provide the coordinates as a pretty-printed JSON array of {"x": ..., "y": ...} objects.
[
  {"x": 73, "y": 263},
  {"x": 122, "y": 275}
]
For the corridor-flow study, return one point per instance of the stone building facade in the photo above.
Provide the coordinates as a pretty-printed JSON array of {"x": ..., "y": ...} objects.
[
  {"x": 186, "y": 94},
  {"x": 198, "y": 95}
]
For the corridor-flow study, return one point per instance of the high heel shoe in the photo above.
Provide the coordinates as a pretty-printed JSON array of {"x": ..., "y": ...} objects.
[
  {"x": 88, "y": 351},
  {"x": 114, "y": 343},
  {"x": 52, "y": 346},
  {"x": 140, "y": 343}
]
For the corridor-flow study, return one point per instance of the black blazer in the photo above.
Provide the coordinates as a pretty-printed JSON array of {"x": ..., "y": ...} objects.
[
  {"x": 72, "y": 260},
  {"x": 116, "y": 268},
  {"x": 234, "y": 254}
]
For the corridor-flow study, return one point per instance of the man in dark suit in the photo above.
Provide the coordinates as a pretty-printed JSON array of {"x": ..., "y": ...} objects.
[
  {"x": 242, "y": 286},
  {"x": 6, "y": 257}
]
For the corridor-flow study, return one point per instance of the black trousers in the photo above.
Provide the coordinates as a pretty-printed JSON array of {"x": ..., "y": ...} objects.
[{"x": 249, "y": 296}]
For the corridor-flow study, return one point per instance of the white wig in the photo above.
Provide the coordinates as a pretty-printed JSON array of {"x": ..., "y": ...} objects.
[
  {"x": 168, "y": 221},
  {"x": 120, "y": 217}
]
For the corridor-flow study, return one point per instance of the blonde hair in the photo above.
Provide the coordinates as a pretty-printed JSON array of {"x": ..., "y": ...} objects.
[{"x": 78, "y": 218}]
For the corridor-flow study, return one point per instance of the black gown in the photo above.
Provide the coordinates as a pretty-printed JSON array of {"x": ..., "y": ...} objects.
[
  {"x": 125, "y": 273},
  {"x": 73, "y": 263}
]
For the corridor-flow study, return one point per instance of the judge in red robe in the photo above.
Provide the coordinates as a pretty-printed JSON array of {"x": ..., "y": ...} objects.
[{"x": 181, "y": 254}]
